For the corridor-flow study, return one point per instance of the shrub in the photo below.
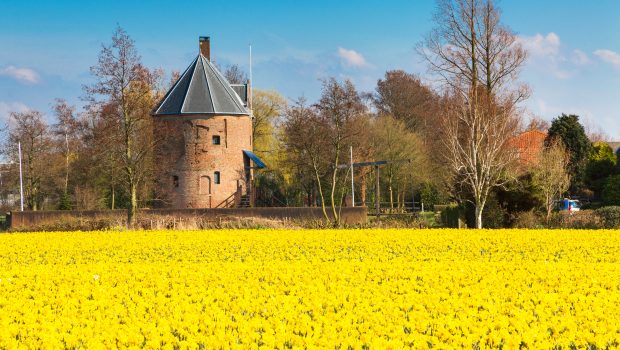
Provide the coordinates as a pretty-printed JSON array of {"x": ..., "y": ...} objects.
[
  {"x": 450, "y": 215},
  {"x": 494, "y": 215},
  {"x": 528, "y": 219},
  {"x": 431, "y": 195},
  {"x": 609, "y": 216},
  {"x": 611, "y": 190},
  {"x": 75, "y": 224},
  {"x": 418, "y": 220},
  {"x": 584, "y": 219}
]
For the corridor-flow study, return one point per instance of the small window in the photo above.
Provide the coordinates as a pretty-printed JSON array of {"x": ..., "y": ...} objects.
[
  {"x": 216, "y": 177},
  {"x": 216, "y": 139},
  {"x": 175, "y": 181}
]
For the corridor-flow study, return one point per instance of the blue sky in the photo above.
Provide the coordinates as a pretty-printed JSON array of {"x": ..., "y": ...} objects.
[{"x": 48, "y": 46}]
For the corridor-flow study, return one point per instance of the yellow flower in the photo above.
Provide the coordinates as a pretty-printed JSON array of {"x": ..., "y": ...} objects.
[{"x": 310, "y": 289}]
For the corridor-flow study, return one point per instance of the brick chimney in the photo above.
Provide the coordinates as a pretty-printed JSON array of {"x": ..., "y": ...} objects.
[{"x": 205, "y": 46}]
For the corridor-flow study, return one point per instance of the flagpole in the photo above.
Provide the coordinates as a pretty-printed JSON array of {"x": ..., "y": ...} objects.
[{"x": 352, "y": 183}]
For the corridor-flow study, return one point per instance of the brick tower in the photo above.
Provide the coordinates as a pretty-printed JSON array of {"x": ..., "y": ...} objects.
[{"x": 203, "y": 133}]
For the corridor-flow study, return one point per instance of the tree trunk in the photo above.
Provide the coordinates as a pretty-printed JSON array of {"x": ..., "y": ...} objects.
[
  {"x": 67, "y": 164},
  {"x": 318, "y": 183},
  {"x": 363, "y": 189},
  {"x": 333, "y": 192},
  {"x": 133, "y": 206},
  {"x": 479, "y": 209}
]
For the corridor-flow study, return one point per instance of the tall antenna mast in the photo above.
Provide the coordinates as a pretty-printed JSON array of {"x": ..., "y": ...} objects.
[{"x": 251, "y": 81}]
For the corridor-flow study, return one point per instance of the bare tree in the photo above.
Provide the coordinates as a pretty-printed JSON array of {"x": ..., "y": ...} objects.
[
  {"x": 67, "y": 132},
  {"x": 537, "y": 123},
  {"x": 306, "y": 144},
  {"x": 125, "y": 87},
  {"x": 478, "y": 60},
  {"x": 319, "y": 137},
  {"x": 551, "y": 173},
  {"x": 363, "y": 151},
  {"x": 406, "y": 98},
  {"x": 235, "y": 75},
  {"x": 32, "y": 132},
  {"x": 595, "y": 132},
  {"x": 340, "y": 107}
]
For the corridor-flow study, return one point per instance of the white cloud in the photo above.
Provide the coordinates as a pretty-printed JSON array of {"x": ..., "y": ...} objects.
[
  {"x": 580, "y": 58},
  {"x": 352, "y": 58},
  {"x": 608, "y": 56},
  {"x": 546, "y": 55},
  {"x": 24, "y": 75},
  {"x": 541, "y": 45},
  {"x": 7, "y": 107}
]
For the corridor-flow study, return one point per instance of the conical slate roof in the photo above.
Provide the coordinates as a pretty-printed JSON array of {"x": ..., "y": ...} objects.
[{"x": 201, "y": 89}]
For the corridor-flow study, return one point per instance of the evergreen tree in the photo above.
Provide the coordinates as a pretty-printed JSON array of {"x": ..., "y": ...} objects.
[
  {"x": 601, "y": 164},
  {"x": 568, "y": 129}
]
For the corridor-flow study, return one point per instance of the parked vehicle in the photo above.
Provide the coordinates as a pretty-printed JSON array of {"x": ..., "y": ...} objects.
[{"x": 569, "y": 205}]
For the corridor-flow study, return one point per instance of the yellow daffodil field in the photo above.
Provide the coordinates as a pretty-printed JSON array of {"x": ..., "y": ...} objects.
[{"x": 305, "y": 289}]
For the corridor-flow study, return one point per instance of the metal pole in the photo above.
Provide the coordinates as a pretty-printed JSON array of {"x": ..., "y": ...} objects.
[
  {"x": 251, "y": 81},
  {"x": 412, "y": 197},
  {"x": 352, "y": 183},
  {"x": 21, "y": 181},
  {"x": 377, "y": 195}
]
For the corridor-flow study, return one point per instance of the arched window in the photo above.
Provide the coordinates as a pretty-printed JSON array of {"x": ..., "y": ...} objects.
[{"x": 204, "y": 186}]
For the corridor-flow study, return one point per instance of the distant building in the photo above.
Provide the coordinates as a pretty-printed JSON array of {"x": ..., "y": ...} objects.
[
  {"x": 529, "y": 147},
  {"x": 615, "y": 146},
  {"x": 203, "y": 133}
]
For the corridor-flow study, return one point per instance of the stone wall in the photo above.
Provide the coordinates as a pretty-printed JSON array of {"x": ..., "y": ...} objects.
[{"x": 187, "y": 159}]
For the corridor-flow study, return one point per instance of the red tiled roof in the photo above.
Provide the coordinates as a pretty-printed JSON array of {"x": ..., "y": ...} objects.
[{"x": 529, "y": 146}]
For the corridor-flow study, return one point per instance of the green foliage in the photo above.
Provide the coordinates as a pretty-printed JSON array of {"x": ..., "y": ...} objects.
[
  {"x": 601, "y": 164},
  {"x": 450, "y": 215},
  {"x": 568, "y": 129},
  {"x": 118, "y": 196},
  {"x": 601, "y": 152},
  {"x": 493, "y": 216},
  {"x": 520, "y": 196},
  {"x": 611, "y": 190},
  {"x": 268, "y": 189},
  {"x": 391, "y": 140},
  {"x": 64, "y": 203},
  {"x": 610, "y": 216},
  {"x": 431, "y": 195}
]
